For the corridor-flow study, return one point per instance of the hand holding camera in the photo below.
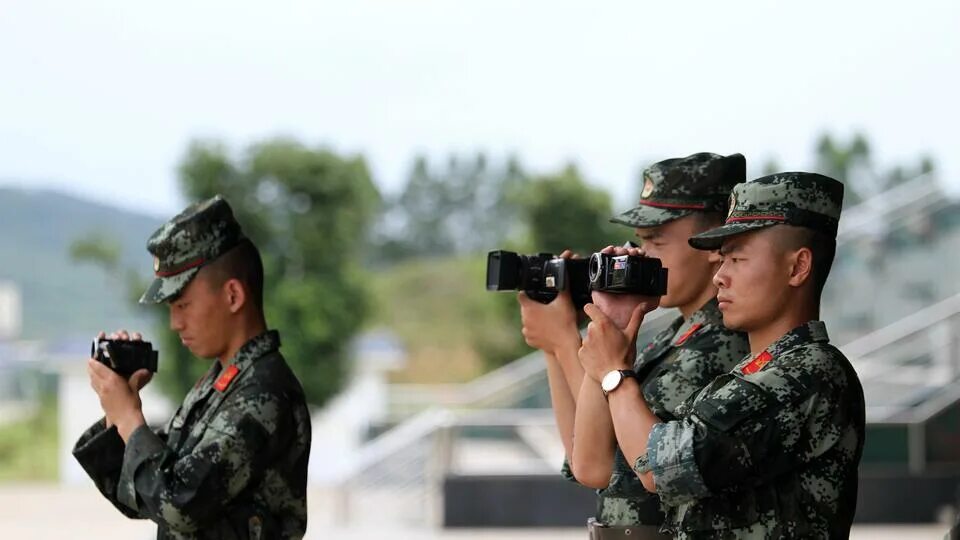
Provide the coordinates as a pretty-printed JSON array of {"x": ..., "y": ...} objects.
[
  {"x": 619, "y": 306},
  {"x": 119, "y": 368}
]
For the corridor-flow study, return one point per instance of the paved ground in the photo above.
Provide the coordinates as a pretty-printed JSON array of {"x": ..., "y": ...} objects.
[{"x": 44, "y": 512}]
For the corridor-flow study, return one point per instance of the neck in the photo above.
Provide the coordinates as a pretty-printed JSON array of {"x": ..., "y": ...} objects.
[
  {"x": 694, "y": 305},
  {"x": 248, "y": 328},
  {"x": 798, "y": 313}
]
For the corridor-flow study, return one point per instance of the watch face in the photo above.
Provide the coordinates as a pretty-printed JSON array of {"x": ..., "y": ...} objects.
[{"x": 611, "y": 381}]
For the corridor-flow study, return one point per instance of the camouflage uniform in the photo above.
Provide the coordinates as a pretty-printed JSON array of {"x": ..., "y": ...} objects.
[
  {"x": 680, "y": 361},
  {"x": 771, "y": 449},
  {"x": 232, "y": 462},
  {"x": 688, "y": 354}
]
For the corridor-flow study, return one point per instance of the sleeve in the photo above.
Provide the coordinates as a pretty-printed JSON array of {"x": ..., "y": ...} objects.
[
  {"x": 100, "y": 452},
  {"x": 186, "y": 493},
  {"x": 566, "y": 471},
  {"x": 742, "y": 432}
]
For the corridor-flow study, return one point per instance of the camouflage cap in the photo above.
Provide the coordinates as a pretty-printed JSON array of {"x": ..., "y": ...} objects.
[
  {"x": 195, "y": 237},
  {"x": 792, "y": 198},
  {"x": 674, "y": 188}
]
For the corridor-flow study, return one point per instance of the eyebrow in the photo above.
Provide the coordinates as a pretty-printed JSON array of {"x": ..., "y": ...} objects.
[{"x": 650, "y": 235}]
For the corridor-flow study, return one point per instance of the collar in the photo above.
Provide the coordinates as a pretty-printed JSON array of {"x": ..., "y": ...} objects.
[{"x": 805, "y": 334}]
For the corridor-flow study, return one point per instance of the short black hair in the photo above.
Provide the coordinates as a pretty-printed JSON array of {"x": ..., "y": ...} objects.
[
  {"x": 709, "y": 220},
  {"x": 242, "y": 263},
  {"x": 823, "y": 247}
]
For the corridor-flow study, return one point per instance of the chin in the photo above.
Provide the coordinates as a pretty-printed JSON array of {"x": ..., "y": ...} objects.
[{"x": 732, "y": 322}]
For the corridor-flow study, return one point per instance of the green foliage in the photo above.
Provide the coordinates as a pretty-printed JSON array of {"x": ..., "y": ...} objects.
[
  {"x": 563, "y": 212},
  {"x": 468, "y": 206},
  {"x": 451, "y": 327},
  {"x": 852, "y": 164},
  {"x": 308, "y": 211},
  {"x": 28, "y": 447}
]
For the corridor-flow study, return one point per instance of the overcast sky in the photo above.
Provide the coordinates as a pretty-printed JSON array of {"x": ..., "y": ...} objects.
[{"x": 101, "y": 97}]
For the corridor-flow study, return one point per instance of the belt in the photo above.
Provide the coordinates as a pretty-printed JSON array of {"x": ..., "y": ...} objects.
[{"x": 599, "y": 531}]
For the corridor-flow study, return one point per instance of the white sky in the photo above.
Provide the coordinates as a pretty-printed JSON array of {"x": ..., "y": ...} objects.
[{"x": 101, "y": 97}]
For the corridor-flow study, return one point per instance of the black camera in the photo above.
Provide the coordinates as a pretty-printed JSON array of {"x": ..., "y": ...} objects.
[
  {"x": 123, "y": 356},
  {"x": 541, "y": 276},
  {"x": 627, "y": 274}
]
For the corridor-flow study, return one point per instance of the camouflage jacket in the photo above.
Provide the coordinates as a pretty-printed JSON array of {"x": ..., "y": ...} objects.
[
  {"x": 769, "y": 450},
  {"x": 230, "y": 464},
  {"x": 675, "y": 365}
]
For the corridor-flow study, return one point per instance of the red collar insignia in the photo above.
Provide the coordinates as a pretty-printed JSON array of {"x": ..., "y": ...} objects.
[
  {"x": 757, "y": 363},
  {"x": 686, "y": 335},
  {"x": 223, "y": 381}
]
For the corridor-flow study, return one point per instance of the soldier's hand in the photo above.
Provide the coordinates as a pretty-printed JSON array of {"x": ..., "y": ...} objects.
[
  {"x": 138, "y": 380},
  {"x": 619, "y": 307},
  {"x": 607, "y": 347},
  {"x": 123, "y": 335},
  {"x": 549, "y": 327},
  {"x": 120, "y": 402}
]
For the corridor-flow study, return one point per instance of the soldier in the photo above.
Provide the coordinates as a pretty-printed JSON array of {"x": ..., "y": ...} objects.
[
  {"x": 232, "y": 462},
  {"x": 770, "y": 449},
  {"x": 680, "y": 197}
]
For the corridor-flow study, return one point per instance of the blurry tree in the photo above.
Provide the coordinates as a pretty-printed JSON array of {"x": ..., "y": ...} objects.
[
  {"x": 563, "y": 212},
  {"x": 852, "y": 164},
  {"x": 468, "y": 206}
]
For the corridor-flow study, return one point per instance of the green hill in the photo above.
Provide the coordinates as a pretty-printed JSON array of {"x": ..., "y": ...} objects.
[{"x": 63, "y": 298}]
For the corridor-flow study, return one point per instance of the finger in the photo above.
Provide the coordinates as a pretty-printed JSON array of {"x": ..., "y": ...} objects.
[
  {"x": 139, "y": 379},
  {"x": 566, "y": 254},
  {"x": 522, "y": 298},
  {"x": 99, "y": 370},
  {"x": 136, "y": 336},
  {"x": 621, "y": 251},
  {"x": 595, "y": 314},
  {"x": 609, "y": 250},
  {"x": 101, "y": 335},
  {"x": 635, "y": 319},
  {"x": 124, "y": 335}
]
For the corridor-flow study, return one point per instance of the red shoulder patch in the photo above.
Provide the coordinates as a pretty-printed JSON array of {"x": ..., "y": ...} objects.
[
  {"x": 686, "y": 335},
  {"x": 757, "y": 363},
  {"x": 223, "y": 381}
]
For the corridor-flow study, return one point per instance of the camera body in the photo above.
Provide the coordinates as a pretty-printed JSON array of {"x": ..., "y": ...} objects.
[
  {"x": 627, "y": 274},
  {"x": 124, "y": 357},
  {"x": 541, "y": 276}
]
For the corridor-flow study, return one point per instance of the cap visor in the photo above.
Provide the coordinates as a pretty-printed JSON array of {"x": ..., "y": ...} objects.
[
  {"x": 165, "y": 288},
  {"x": 713, "y": 239},
  {"x": 649, "y": 216}
]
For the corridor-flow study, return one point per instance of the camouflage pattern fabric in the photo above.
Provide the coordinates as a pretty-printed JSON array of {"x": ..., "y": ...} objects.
[
  {"x": 677, "y": 187},
  {"x": 801, "y": 199},
  {"x": 183, "y": 245},
  {"x": 230, "y": 464},
  {"x": 769, "y": 450},
  {"x": 675, "y": 365}
]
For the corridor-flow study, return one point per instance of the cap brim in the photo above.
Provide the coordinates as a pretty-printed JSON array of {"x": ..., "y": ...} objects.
[
  {"x": 165, "y": 288},
  {"x": 713, "y": 239},
  {"x": 649, "y": 216}
]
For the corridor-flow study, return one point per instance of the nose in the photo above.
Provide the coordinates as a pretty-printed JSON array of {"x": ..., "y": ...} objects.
[
  {"x": 721, "y": 279},
  {"x": 176, "y": 321}
]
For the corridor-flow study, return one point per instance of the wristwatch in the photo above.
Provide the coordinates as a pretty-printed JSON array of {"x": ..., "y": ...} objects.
[
  {"x": 611, "y": 381},
  {"x": 642, "y": 465}
]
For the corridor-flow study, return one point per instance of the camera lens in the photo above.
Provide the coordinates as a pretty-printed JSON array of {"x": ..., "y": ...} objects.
[{"x": 595, "y": 264}]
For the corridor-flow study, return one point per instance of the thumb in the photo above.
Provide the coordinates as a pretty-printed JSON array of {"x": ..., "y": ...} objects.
[
  {"x": 635, "y": 319},
  {"x": 140, "y": 379}
]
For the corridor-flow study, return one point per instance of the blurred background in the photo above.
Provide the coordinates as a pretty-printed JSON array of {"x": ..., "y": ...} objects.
[{"x": 375, "y": 151}]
